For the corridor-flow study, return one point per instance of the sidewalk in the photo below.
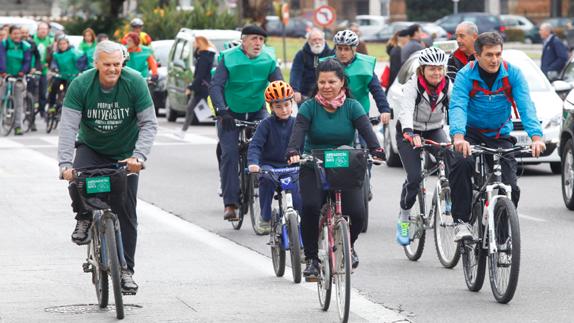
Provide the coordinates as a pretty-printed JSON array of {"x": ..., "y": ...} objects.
[{"x": 185, "y": 273}]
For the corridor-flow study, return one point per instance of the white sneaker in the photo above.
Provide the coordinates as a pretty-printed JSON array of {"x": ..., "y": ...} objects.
[
  {"x": 179, "y": 134},
  {"x": 462, "y": 231}
]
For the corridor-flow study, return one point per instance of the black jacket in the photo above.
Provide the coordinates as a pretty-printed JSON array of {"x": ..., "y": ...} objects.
[
  {"x": 202, "y": 75},
  {"x": 303, "y": 76}
]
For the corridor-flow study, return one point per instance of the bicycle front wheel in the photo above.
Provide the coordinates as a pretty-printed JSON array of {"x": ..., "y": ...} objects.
[
  {"x": 473, "y": 255},
  {"x": 446, "y": 249},
  {"x": 342, "y": 270},
  {"x": 324, "y": 280},
  {"x": 243, "y": 194},
  {"x": 366, "y": 191},
  {"x": 114, "y": 266},
  {"x": 51, "y": 119},
  {"x": 504, "y": 265},
  {"x": 29, "y": 113},
  {"x": 417, "y": 232},
  {"x": 99, "y": 276},
  {"x": 294, "y": 246},
  {"x": 277, "y": 251},
  {"x": 8, "y": 115},
  {"x": 254, "y": 206}
]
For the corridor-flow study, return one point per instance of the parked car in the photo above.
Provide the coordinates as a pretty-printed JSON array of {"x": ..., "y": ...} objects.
[
  {"x": 548, "y": 108},
  {"x": 161, "y": 49},
  {"x": 429, "y": 30},
  {"x": 180, "y": 66},
  {"x": 484, "y": 22},
  {"x": 530, "y": 30},
  {"x": 297, "y": 27},
  {"x": 566, "y": 151},
  {"x": 371, "y": 25}
]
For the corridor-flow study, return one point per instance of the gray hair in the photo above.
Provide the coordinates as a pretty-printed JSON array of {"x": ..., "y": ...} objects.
[
  {"x": 108, "y": 46},
  {"x": 546, "y": 26},
  {"x": 490, "y": 38},
  {"x": 315, "y": 30},
  {"x": 469, "y": 26}
]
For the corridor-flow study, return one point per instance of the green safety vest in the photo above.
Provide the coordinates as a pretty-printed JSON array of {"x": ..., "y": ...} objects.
[
  {"x": 43, "y": 45},
  {"x": 88, "y": 50},
  {"x": 247, "y": 79},
  {"x": 138, "y": 60},
  {"x": 360, "y": 73},
  {"x": 15, "y": 55},
  {"x": 67, "y": 63}
]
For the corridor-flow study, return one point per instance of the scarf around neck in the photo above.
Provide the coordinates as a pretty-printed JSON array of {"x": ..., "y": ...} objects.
[
  {"x": 335, "y": 103},
  {"x": 433, "y": 95}
]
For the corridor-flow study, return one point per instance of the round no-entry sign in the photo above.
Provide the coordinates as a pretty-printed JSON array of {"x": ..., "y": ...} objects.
[{"x": 324, "y": 16}]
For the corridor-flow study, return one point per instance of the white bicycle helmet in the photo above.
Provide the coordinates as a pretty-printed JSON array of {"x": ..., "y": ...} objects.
[
  {"x": 346, "y": 37},
  {"x": 433, "y": 56},
  {"x": 136, "y": 22}
]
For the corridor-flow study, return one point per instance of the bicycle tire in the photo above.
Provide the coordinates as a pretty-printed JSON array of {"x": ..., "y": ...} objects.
[
  {"x": 254, "y": 206},
  {"x": 506, "y": 221},
  {"x": 277, "y": 252},
  {"x": 325, "y": 279},
  {"x": 343, "y": 269},
  {"x": 8, "y": 116},
  {"x": 294, "y": 245},
  {"x": 447, "y": 250},
  {"x": 242, "y": 194},
  {"x": 417, "y": 231},
  {"x": 50, "y": 120},
  {"x": 366, "y": 189},
  {"x": 99, "y": 276},
  {"x": 472, "y": 254},
  {"x": 29, "y": 113},
  {"x": 114, "y": 267}
]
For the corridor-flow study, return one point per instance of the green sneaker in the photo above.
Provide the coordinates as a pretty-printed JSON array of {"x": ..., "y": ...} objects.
[
  {"x": 18, "y": 131},
  {"x": 403, "y": 233}
]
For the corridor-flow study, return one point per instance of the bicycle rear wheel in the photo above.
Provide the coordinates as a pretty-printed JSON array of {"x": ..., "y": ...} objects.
[
  {"x": 51, "y": 119},
  {"x": 324, "y": 280},
  {"x": 254, "y": 206},
  {"x": 8, "y": 115},
  {"x": 504, "y": 265},
  {"x": 473, "y": 255},
  {"x": 29, "y": 113},
  {"x": 294, "y": 245},
  {"x": 446, "y": 249},
  {"x": 99, "y": 276},
  {"x": 417, "y": 231},
  {"x": 342, "y": 270},
  {"x": 114, "y": 266}
]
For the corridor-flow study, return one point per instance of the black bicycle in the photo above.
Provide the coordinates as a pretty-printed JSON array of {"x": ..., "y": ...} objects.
[
  {"x": 105, "y": 254},
  {"x": 248, "y": 183},
  {"x": 496, "y": 231},
  {"x": 31, "y": 101},
  {"x": 55, "y": 110}
]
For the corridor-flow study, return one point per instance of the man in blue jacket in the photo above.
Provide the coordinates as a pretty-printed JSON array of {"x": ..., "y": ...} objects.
[
  {"x": 554, "y": 53},
  {"x": 484, "y": 96}
]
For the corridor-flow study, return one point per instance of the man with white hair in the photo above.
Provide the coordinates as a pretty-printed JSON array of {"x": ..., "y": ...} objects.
[
  {"x": 554, "y": 53},
  {"x": 107, "y": 116},
  {"x": 305, "y": 63},
  {"x": 466, "y": 33}
]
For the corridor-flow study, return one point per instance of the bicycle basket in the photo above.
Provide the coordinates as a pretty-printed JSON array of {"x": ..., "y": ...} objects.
[
  {"x": 344, "y": 169},
  {"x": 101, "y": 188}
]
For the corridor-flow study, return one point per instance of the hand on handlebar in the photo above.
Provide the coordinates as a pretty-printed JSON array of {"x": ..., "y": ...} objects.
[
  {"x": 461, "y": 145},
  {"x": 413, "y": 138},
  {"x": 68, "y": 174},
  {"x": 538, "y": 146},
  {"x": 133, "y": 164},
  {"x": 254, "y": 168},
  {"x": 385, "y": 118},
  {"x": 227, "y": 120}
]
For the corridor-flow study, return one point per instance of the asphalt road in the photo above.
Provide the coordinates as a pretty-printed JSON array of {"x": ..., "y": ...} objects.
[{"x": 182, "y": 178}]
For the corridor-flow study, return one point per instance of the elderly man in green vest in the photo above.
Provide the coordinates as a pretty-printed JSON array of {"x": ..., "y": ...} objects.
[
  {"x": 360, "y": 70},
  {"x": 237, "y": 92},
  {"x": 44, "y": 44},
  {"x": 15, "y": 60}
]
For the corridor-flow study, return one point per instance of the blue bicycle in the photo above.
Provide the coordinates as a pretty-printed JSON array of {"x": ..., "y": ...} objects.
[
  {"x": 7, "y": 108},
  {"x": 285, "y": 229}
]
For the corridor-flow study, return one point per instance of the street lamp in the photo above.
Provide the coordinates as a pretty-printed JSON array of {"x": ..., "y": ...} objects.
[{"x": 455, "y": 6}]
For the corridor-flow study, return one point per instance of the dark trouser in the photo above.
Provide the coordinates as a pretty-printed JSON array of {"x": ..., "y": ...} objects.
[
  {"x": 313, "y": 199},
  {"x": 461, "y": 171},
  {"x": 42, "y": 88},
  {"x": 230, "y": 157},
  {"x": 86, "y": 157},
  {"x": 189, "y": 114},
  {"x": 267, "y": 188},
  {"x": 54, "y": 89},
  {"x": 410, "y": 158}
]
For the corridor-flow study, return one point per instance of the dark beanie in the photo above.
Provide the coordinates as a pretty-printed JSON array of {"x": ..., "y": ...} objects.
[{"x": 253, "y": 30}]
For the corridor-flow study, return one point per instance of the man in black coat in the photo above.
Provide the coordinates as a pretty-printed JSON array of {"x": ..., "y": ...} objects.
[{"x": 303, "y": 76}]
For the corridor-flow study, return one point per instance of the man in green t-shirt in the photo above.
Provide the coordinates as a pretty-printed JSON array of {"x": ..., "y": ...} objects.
[
  {"x": 237, "y": 92},
  {"x": 108, "y": 116},
  {"x": 44, "y": 44}
]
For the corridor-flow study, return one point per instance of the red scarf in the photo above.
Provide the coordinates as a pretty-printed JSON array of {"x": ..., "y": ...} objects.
[
  {"x": 335, "y": 103},
  {"x": 432, "y": 96}
]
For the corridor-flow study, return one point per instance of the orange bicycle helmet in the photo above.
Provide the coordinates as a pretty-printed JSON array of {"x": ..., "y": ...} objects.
[{"x": 278, "y": 91}]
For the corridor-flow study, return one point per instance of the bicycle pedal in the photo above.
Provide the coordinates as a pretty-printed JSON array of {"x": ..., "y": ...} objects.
[
  {"x": 86, "y": 267},
  {"x": 311, "y": 279},
  {"x": 128, "y": 293}
]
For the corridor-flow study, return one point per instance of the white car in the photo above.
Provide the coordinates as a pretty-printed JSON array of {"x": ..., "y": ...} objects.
[
  {"x": 548, "y": 108},
  {"x": 370, "y": 26}
]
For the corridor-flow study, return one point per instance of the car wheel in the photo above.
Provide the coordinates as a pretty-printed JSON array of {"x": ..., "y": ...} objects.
[
  {"x": 556, "y": 167},
  {"x": 568, "y": 175},
  {"x": 171, "y": 115},
  {"x": 393, "y": 158}
]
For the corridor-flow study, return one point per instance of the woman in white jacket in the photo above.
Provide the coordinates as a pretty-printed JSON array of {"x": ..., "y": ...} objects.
[{"x": 422, "y": 114}]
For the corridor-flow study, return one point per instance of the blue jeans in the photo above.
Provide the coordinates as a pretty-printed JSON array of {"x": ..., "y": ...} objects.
[{"x": 267, "y": 188}]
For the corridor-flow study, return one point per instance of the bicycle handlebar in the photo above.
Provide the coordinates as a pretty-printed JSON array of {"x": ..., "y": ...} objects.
[
  {"x": 246, "y": 124},
  {"x": 476, "y": 149},
  {"x": 432, "y": 143}
]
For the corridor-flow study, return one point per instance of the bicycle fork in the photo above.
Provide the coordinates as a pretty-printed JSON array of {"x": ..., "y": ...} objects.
[{"x": 103, "y": 216}]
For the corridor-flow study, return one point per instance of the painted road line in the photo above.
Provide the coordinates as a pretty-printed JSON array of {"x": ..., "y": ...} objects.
[{"x": 531, "y": 218}]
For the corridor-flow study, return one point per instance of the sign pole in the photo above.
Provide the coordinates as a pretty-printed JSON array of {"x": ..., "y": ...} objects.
[{"x": 285, "y": 21}]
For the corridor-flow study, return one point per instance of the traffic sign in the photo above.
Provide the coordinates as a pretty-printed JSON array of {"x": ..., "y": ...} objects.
[
  {"x": 324, "y": 16},
  {"x": 285, "y": 14}
]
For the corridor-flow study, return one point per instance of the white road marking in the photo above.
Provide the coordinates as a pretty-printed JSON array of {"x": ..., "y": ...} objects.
[{"x": 531, "y": 218}]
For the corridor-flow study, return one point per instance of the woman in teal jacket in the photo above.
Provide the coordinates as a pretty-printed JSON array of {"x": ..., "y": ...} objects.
[{"x": 67, "y": 62}]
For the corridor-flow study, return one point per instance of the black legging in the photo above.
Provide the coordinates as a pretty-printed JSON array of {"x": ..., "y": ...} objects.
[{"x": 313, "y": 198}]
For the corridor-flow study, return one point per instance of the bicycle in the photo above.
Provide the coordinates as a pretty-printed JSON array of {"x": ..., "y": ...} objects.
[
  {"x": 105, "y": 252},
  {"x": 495, "y": 227},
  {"x": 31, "y": 101},
  {"x": 248, "y": 183},
  {"x": 439, "y": 217},
  {"x": 55, "y": 110},
  {"x": 337, "y": 169},
  {"x": 7, "y": 109},
  {"x": 285, "y": 229}
]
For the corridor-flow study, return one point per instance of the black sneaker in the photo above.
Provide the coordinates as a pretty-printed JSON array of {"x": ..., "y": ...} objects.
[
  {"x": 129, "y": 286},
  {"x": 312, "y": 269},
  {"x": 354, "y": 259},
  {"x": 82, "y": 233}
]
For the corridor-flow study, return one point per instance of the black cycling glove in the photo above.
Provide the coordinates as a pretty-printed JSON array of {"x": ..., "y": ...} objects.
[{"x": 227, "y": 120}]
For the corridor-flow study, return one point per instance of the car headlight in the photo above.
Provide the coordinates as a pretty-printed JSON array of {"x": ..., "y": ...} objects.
[{"x": 555, "y": 121}]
